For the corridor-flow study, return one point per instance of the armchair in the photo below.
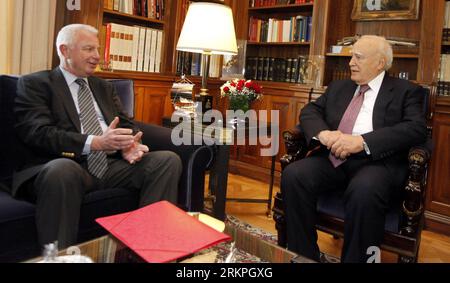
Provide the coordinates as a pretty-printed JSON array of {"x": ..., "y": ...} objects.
[
  {"x": 404, "y": 221},
  {"x": 18, "y": 236}
]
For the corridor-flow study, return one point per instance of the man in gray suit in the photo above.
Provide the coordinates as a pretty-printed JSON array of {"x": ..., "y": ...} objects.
[{"x": 80, "y": 140}]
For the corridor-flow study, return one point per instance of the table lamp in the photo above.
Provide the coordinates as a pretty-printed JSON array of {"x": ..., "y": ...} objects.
[{"x": 208, "y": 29}]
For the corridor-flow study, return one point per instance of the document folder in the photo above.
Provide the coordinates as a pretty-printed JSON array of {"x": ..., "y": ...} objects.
[{"x": 161, "y": 232}]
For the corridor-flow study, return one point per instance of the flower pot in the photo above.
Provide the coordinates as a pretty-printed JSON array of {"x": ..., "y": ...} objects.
[{"x": 239, "y": 102}]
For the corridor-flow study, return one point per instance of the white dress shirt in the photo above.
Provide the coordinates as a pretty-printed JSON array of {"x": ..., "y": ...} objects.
[
  {"x": 363, "y": 124},
  {"x": 74, "y": 87}
]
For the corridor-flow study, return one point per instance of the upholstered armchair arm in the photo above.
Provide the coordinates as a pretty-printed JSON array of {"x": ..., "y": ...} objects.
[
  {"x": 196, "y": 160},
  {"x": 414, "y": 193},
  {"x": 296, "y": 147}
]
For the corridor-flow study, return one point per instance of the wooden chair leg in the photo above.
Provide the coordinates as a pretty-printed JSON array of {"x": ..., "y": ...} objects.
[
  {"x": 407, "y": 259},
  {"x": 280, "y": 225},
  {"x": 280, "y": 221}
]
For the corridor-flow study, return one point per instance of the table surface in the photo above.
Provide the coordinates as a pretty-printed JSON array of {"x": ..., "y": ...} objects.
[{"x": 253, "y": 246}]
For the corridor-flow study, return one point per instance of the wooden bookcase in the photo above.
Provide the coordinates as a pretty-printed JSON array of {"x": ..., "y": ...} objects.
[
  {"x": 438, "y": 190},
  {"x": 281, "y": 55}
]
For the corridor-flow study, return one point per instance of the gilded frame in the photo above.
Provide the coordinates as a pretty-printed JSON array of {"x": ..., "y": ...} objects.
[{"x": 385, "y": 10}]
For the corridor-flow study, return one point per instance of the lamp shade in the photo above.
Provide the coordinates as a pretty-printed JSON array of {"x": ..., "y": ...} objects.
[{"x": 208, "y": 28}]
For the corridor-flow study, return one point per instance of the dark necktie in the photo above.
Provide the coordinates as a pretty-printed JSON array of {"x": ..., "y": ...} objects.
[
  {"x": 97, "y": 162},
  {"x": 349, "y": 119}
]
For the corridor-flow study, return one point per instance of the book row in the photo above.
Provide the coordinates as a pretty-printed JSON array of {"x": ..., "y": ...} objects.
[
  {"x": 133, "y": 48},
  {"x": 444, "y": 71},
  {"x": 292, "y": 70},
  {"x": 190, "y": 64},
  {"x": 443, "y": 88},
  {"x": 295, "y": 29},
  {"x": 153, "y": 9},
  {"x": 268, "y": 3}
]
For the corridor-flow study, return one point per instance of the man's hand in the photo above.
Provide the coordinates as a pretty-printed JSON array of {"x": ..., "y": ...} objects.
[
  {"x": 134, "y": 153},
  {"x": 328, "y": 138},
  {"x": 113, "y": 139},
  {"x": 346, "y": 145}
]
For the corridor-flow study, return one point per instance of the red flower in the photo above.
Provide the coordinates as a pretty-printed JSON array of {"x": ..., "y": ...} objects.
[
  {"x": 256, "y": 88},
  {"x": 226, "y": 89},
  {"x": 240, "y": 85}
]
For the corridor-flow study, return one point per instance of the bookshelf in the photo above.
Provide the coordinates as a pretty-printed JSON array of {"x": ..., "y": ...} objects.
[
  {"x": 132, "y": 35},
  {"x": 278, "y": 40},
  {"x": 443, "y": 85},
  {"x": 437, "y": 212},
  {"x": 406, "y": 59},
  {"x": 281, "y": 7},
  {"x": 127, "y": 17}
]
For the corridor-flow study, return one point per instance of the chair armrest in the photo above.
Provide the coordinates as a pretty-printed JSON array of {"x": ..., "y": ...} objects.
[
  {"x": 196, "y": 159},
  {"x": 414, "y": 192},
  {"x": 296, "y": 146}
]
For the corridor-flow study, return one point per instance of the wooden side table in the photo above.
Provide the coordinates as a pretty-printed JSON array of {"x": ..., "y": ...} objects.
[{"x": 218, "y": 179}]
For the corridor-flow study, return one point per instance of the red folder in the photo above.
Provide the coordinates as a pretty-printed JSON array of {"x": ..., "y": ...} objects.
[{"x": 161, "y": 232}]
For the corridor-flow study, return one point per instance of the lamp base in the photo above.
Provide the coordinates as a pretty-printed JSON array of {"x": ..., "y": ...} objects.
[{"x": 206, "y": 100}]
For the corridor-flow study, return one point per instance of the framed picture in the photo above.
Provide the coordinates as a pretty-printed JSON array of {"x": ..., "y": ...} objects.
[
  {"x": 373, "y": 10},
  {"x": 234, "y": 65}
]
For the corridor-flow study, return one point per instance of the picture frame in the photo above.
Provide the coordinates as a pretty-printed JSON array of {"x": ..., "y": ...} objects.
[
  {"x": 233, "y": 66},
  {"x": 385, "y": 10}
]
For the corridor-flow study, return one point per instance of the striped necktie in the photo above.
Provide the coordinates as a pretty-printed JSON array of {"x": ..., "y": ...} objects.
[
  {"x": 97, "y": 163},
  {"x": 349, "y": 119}
]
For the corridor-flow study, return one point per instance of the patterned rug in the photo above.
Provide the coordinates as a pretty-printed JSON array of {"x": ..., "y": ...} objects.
[{"x": 225, "y": 252}]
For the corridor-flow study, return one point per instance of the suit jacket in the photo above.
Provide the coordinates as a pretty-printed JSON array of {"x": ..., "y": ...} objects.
[
  {"x": 398, "y": 118},
  {"x": 48, "y": 124}
]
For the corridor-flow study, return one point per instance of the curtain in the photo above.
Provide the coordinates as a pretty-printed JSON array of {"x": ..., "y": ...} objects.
[
  {"x": 27, "y": 28},
  {"x": 5, "y": 33}
]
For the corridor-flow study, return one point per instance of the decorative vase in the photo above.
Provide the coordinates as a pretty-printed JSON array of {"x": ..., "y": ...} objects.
[{"x": 239, "y": 103}]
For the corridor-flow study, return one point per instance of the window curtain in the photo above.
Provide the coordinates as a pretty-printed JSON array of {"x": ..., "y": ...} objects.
[{"x": 27, "y": 28}]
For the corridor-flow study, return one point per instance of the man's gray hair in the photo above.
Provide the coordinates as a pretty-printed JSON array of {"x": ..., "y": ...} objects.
[
  {"x": 384, "y": 48},
  {"x": 67, "y": 34}
]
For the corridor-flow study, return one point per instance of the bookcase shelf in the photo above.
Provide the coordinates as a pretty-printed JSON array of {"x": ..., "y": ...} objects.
[
  {"x": 121, "y": 34},
  {"x": 131, "y": 18},
  {"x": 279, "y": 43},
  {"x": 282, "y": 8},
  {"x": 402, "y": 56},
  {"x": 269, "y": 25}
]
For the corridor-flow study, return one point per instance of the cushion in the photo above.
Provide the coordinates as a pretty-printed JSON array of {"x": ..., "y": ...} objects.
[
  {"x": 17, "y": 218},
  {"x": 125, "y": 91},
  {"x": 18, "y": 236},
  {"x": 333, "y": 204},
  {"x": 8, "y": 87}
]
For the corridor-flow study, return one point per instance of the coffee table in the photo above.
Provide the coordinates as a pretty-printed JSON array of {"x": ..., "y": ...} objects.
[{"x": 252, "y": 246}]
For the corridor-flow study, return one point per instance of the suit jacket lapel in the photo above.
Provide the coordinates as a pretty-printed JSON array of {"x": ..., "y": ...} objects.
[
  {"x": 60, "y": 87},
  {"x": 384, "y": 97},
  {"x": 102, "y": 102}
]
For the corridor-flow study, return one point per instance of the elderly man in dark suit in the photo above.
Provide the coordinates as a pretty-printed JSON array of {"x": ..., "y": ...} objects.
[
  {"x": 365, "y": 127},
  {"x": 80, "y": 140}
]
